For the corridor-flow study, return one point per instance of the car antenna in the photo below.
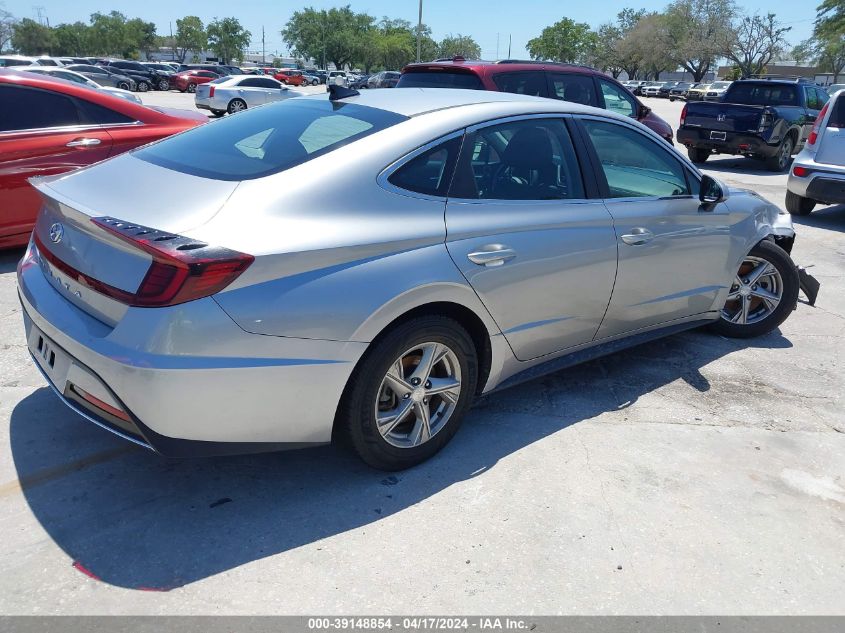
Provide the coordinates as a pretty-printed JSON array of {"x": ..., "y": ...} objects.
[{"x": 340, "y": 92}]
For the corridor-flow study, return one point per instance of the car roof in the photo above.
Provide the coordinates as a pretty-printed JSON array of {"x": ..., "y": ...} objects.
[
  {"x": 484, "y": 67},
  {"x": 416, "y": 101}
]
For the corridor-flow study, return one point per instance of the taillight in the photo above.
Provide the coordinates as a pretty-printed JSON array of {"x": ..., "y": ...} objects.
[
  {"x": 211, "y": 91},
  {"x": 814, "y": 135},
  {"x": 766, "y": 121},
  {"x": 183, "y": 269},
  {"x": 684, "y": 114},
  {"x": 800, "y": 171}
]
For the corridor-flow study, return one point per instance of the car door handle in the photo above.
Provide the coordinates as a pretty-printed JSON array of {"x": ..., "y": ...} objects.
[
  {"x": 638, "y": 236},
  {"x": 491, "y": 255},
  {"x": 83, "y": 142}
]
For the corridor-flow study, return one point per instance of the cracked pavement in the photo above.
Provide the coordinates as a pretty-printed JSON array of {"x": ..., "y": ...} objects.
[{"x": 692, "y": 475}]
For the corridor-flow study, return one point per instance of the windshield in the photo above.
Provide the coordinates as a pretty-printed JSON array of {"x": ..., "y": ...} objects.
[
  {"x": 267, "y": 140},
  {"x": 720, "y": 84},
  {"x": 439, "y": 79}
]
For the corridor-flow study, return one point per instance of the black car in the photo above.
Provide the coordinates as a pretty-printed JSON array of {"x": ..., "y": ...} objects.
[
  {"x": 679, "y": 91},
  {"x": 384, "y": 79},
  {"x": 359, "y": 83},
  {"x": 212, "y": 68},
  {"x": 666, "y": 88},
  {"x": 145, "y": 77}
]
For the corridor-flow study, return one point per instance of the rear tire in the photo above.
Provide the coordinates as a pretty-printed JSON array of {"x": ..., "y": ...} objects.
[
  {"x": 192, "y": 88},
  {"x": 143, "y": 86},
  {"x": 780, "y": 161},
  {"x": 369, "y": 393},
  {"x": 799, "y": 205},
  {"x": 164, "y": 85},
  {"x": 698, "y": 155},
  {"x": 752, "y": 311},
  {"x": 236, "y": 105},
  {"x": 123, "y": 85}
]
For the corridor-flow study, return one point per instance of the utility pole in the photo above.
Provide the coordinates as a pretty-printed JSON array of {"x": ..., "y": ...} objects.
[
  {"x": 419, "y": 33},
  {"x": 263, "y": 63},
  {"x": 510, "y": 39}
]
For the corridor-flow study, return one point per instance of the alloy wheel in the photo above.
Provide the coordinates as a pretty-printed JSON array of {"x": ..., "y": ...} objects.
[
  {"x": 755, "y": 293},
  {"x": 418, "y": 395}
]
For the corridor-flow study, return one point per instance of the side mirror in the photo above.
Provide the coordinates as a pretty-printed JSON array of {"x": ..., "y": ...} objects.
[
  {"x": 712, "y": 191},
  {"x": 644, "y": 111}
]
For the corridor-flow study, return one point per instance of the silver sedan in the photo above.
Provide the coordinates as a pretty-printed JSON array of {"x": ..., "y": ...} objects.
[
  {"x": 234, "y": 93},
  {"x": 469, "y": 241}
]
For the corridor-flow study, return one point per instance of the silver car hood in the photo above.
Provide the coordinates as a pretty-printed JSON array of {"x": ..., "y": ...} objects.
[{"x": 131, "y": 189}]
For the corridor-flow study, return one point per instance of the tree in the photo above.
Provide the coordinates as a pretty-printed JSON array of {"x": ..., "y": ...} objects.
[
  {"x": 459, "y": 45},
  {"x": 72, "y": 40},
  {"x": 328, "y": 36},
  {"x": 626, "y": 51},
  {"x": 697, "y": 30},
  {"x": 227, "y": 38},
  {"x": 606, "y": 56},
  {"x": 647, "y": 46},
  {"x": 31, "y": 38},
  {"x": 565, "y": 41},
  {"x": 7, "y": 28},
  {"x": 830, "y": 18},
  {"x": 109, "y": 35},
  {"x": 190, "y": 36},
  {"x": 754, "y": 41},
  {"x": 140, "y": 36}
]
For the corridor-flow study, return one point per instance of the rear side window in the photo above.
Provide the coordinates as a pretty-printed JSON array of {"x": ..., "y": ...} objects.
[
  {"x": 439, "y": 79},
  {"x": 531, "y": 159},
  {"x": 103, "y": 116},
  {"x": 258, "y": 82},
  {"x": 634, "y": 165},
  {"x": 431, "y": 172},
  {"x": 837, "y": 114},
  {"x": 573, "y": 87},
  {"x": 523, "y": 83},
  {"x": 30, "y": 108},
  {"x": 812, "y": 97},
  {"x": 267, "y": 140}
]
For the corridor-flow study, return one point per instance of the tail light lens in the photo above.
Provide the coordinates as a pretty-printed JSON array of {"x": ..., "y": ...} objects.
[
  {"x": 211, "y": 91},
  {"x": 766, "y": 121},
  {"x": 814, "y": 135},
  {"x": 182, "y": 269},
  {"x": 800, "y": 171},
  {"x": 684, "y": 114}
]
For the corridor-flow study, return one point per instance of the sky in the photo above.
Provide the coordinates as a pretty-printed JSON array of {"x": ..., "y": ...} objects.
[{"x": 488, "y": 21}]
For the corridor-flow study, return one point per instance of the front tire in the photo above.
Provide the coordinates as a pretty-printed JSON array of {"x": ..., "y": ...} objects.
[
  {"x": 409, "y": 393},
  {"x": 192, "y": 88},
  {"x": 763, "y": 293},
  {"x": 164, "y": 85},
  {"x": 799, "y": 205},
  {"x": 123, "y": 85},
  {"x": 698, "y": 155},
  {"x": 143, "y": 86}
]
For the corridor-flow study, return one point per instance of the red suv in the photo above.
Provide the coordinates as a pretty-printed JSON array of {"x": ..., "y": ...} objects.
[
  {"x": 542, "y": 79},
  {"x": 291, "y": 77}
]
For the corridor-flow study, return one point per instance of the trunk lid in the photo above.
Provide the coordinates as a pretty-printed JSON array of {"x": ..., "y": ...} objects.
[
  {"x": 727, "y": 117},
  {"x": 72, "y": 246}
]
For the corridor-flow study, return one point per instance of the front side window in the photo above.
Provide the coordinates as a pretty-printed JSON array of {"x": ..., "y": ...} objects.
[
  {"x": 523, "y": 83},
  {"x": 618, "y": 99},
  {"x": 531, "y": 159},
  {"x": 29, "y": 108},
  {"x": 634, "y": 165},
  {"x": 268, "y": 140},
  {"x": 431, "y": 172},
  {"x": 573, "y": 87}
]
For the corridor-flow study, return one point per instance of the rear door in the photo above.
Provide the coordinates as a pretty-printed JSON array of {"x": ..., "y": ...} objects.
[
  {"x": 831, "y": 149},
  {"x": 521, "y": 228},
  {"x": 673, "y": 253},
  {"x": 42, "y": 133}
]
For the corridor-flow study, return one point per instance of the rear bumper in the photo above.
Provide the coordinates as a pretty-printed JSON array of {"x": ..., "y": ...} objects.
[
  {"x": 825, "y": 183},
  {"x": 185, "y": 381},
  {"x": 733, "y": 144}
]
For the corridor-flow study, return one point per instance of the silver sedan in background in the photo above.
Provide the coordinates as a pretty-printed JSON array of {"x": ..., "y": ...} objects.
[
  {"x": 470, "y": 240},
  {"x": 104, "y": 76},
  {"x": 65, "y": 73},
  {"x": 234, "y": 93}
]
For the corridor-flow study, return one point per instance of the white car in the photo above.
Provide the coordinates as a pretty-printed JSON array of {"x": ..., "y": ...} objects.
[
  {"x": 653, "y": 89},
  {"x": 75, "y": 77},
  {"x": 716, "y": 90},
  {"x": 234, "y": 93},
  {"x": 339, "y": 78},
  {"x": 818, "y": 172}
]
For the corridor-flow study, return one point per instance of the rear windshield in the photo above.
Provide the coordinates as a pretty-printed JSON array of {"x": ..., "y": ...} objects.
[
  {"x": 439, "y": 79},
  {"x": 267, "y": 140},
  {"x": 762, "y": 94},
  {"x": 837, "y": 115}
]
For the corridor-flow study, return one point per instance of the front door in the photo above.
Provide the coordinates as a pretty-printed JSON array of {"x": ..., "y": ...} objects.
[
  {"x": 540, "y": 255},
  {"x": 673, "y": 251}
]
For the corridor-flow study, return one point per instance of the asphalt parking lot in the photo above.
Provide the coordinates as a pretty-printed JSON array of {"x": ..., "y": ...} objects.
[{"x": 693, "y": 475}]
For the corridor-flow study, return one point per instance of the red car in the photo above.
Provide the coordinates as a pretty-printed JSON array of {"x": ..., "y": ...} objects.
[
  {"x": 50, "y": 126},
  {"x": 568, "y": 82},
  {"x": 188, "y": 80},
  {"x": 290, "y": 77}
]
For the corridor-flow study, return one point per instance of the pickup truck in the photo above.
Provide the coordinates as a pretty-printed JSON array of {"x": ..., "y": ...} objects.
[{"x": 765, "y": 119}]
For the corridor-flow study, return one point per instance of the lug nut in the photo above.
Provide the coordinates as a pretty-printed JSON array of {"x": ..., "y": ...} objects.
[
  {"x": 428, "y": 384},
  {"x": 754, "y": 287},
  {"x": 406, "y": 396},
  {"x": 415, "y": 381}
]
